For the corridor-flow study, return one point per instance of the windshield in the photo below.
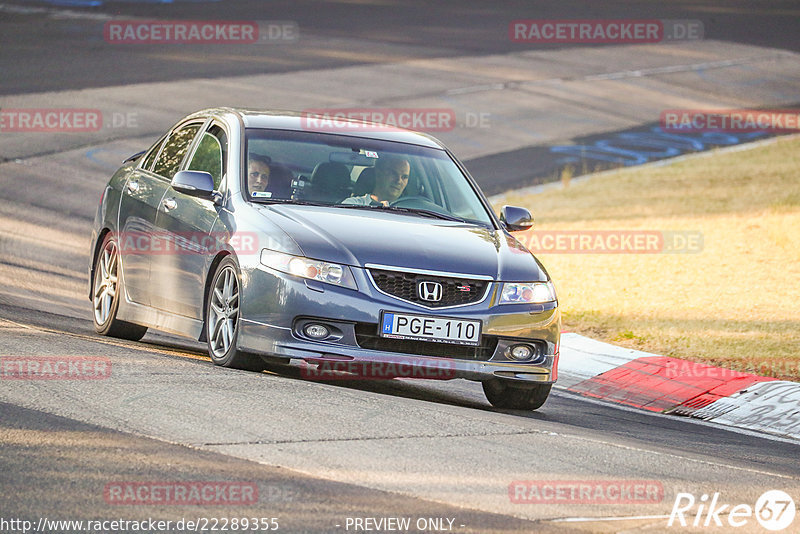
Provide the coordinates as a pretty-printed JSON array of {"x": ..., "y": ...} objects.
[{"x": 354, "y": 173}]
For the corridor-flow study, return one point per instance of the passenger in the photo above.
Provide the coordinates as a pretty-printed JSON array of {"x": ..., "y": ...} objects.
[
  {"x": 258, "y": 172},
  {"x": 391, "y": 179}
]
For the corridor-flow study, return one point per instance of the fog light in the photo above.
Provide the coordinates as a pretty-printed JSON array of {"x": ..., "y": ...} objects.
[
  {"x": 316, "y": 331},
  {"x": 521, "y": 353}
]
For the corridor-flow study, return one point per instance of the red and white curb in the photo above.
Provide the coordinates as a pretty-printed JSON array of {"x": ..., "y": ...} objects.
[{"x": 669, "y": 385}]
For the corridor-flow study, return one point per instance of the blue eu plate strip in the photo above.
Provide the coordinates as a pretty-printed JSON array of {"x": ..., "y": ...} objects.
[{"x": 388, "y": 319}]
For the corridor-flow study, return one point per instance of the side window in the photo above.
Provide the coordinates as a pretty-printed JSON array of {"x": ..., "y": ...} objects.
[
  {"x": 174, "y": 149},
  {"x": 210, "y": 154},
  {"x": 151, "y": 156}
]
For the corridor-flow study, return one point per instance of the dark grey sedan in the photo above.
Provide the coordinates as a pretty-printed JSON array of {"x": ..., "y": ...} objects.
[{"x": 347, "y": 249}]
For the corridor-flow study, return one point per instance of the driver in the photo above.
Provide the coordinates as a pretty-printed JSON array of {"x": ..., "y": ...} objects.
[
  {"x": 258, "y": 172},
  {"x": 391, "y": 179}
]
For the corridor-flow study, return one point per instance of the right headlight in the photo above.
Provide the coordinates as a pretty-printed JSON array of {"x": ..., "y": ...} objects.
[
  {"x": 527, "y": 292},
  {"x": 321, "y": 271}
]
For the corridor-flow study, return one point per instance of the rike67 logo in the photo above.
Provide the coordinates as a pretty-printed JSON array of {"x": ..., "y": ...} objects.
[{"x": 774, "y": 510}]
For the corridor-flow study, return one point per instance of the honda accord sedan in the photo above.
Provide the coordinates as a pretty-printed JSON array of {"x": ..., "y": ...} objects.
[{"x": 345, "y": 248}]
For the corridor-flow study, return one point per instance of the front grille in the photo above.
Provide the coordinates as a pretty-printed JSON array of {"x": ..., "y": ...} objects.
[
  {"x": 367, "y": 337},
  {"x": 455, "y": 291}
]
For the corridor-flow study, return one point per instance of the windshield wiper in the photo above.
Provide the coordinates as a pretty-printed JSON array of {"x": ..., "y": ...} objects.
[
  {"x": 430, "y": 213},
  {"x": 288, "y": 201},
  {"x": 416, "y": 211}
]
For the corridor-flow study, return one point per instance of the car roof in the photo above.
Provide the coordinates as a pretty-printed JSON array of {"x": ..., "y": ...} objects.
[{"x": 301, "y": 121}]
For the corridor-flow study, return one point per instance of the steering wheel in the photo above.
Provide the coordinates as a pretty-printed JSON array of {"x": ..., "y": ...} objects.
[{"x": 417, "y": 201}]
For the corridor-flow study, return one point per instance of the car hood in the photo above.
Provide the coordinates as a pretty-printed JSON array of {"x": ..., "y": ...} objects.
[{"x": 360, "y": 237}]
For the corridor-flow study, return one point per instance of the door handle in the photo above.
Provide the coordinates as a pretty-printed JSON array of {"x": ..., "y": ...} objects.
[
  {"x": 133, "y": 186},
  {"x": 169, "y": 204}
]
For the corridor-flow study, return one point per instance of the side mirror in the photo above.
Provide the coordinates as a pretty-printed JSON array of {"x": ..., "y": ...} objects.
[
  {"x": 515, "y": 218},
  {"x": 194, "y": 183},
  {"x": 134, "y": 157}
]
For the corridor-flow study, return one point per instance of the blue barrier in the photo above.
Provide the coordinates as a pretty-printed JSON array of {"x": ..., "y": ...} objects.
[{"x": 636, "y": 148}]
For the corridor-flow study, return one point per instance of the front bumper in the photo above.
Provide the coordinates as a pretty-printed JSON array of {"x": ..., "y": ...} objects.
[{"x": 274, "y": 305}]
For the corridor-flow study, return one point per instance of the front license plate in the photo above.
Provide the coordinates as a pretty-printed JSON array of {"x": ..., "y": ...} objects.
[{"x": 430, "y": 328}]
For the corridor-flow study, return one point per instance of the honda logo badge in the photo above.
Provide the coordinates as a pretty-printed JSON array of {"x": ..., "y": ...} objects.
[{"x": 430, "y": 291}]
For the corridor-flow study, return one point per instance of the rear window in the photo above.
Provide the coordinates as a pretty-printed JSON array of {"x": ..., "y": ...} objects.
[{"x": 174, "y": 149}]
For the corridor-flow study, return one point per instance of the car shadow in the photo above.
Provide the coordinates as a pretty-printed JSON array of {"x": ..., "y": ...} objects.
[{"x": 468, "y": 394}]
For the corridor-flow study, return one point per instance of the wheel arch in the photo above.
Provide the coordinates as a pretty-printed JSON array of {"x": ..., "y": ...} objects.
[
  {"x": 212, "y": 269},
  {"x": 98, "y": 244}
]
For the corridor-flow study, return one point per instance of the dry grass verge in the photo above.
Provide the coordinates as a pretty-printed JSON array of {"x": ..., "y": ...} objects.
[{"x": 736, "y": 303}]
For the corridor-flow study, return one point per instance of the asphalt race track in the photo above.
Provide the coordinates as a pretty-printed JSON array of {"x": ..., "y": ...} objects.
[{"x": 322, "y": 454}]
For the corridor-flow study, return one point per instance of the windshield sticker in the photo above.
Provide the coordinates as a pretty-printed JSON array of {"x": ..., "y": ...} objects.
[
  {"x": 371, "y": 154},
  {"x": 262, "y": 194}
]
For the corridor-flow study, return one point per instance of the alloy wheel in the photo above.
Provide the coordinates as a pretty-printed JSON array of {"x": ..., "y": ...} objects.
[
  {"x": 105, "y": 283},
  {"x": 224, "y": 310}
]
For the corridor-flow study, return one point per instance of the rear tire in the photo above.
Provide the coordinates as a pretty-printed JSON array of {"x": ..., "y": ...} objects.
[
  {"x": 502, "y": 394},
  {"x": 222, "y": 320},
  {"x": 107, "y": 291}
]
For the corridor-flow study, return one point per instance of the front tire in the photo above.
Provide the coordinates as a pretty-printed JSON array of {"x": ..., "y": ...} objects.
[
  {"x": 502, "y": 394},
  {"x": 222, "y": 320},
  {"x": 107, "y": 291}
]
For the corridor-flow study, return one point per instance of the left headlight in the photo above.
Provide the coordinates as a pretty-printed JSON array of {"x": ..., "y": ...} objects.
[
  {"x": 528, "y": 292},
  {"x": 322, "y": 271}
]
